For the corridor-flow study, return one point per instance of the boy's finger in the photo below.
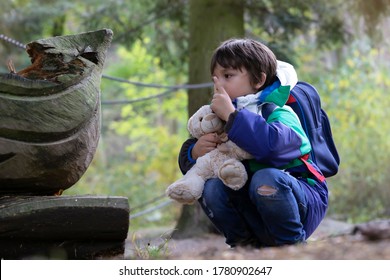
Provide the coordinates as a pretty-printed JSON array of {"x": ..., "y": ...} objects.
[
  {"x": 216, "y": 83},
  {"x": 217, "y": 86}
]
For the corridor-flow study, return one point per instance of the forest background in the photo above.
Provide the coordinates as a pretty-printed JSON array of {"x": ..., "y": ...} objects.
[{"x": 162, "y": 46}]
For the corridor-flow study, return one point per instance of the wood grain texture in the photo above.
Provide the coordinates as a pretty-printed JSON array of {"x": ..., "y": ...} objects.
[{"x": 50, "y": 114}]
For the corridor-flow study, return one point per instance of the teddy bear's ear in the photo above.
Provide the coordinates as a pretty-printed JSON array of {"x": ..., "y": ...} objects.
[
  {"x": 194, "y": 123},
  {"x": 204, "y": 110}
]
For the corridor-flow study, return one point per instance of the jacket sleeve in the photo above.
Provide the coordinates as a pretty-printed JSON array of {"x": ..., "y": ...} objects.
[
  {"x": 275, "y": 143},
  {"x": 185, "y": 159}
]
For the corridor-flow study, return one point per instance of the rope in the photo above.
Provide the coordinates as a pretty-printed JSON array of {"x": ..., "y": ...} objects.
[
  {"x": 149, "y": 202},
  {"x": 177, "y": 87},
  {"x": 116, "y": 102},
  {"x": 12, "y": 41},
  {"x": 161, "y": 205}
]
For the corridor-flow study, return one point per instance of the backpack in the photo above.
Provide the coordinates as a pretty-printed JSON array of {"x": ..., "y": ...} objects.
[{"x": 305, "y": 101}]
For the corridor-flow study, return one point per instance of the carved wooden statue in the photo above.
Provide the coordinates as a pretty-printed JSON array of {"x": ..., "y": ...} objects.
[
  {"x": 50, "y": 114},
  {"x": 49, "y": 130}
]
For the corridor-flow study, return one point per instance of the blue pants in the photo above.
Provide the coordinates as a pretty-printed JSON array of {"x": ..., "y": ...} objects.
[{"x": 270, "y": 210}]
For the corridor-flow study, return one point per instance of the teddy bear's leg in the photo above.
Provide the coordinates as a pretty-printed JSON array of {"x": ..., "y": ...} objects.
[
  {"x": 187, "y": 189},
  {"x": 233, "y": 174}
]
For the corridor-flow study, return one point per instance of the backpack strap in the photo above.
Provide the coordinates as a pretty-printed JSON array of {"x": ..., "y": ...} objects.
[
  {"x": 311, "y": 168},
  {"x": 266, "y": 111}
]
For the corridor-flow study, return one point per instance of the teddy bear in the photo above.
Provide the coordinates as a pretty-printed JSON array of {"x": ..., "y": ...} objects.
[{"x": 223, "y": 162}]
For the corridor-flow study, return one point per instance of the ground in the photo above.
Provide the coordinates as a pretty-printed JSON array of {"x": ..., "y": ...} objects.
[{"x": 333, "y": 240}]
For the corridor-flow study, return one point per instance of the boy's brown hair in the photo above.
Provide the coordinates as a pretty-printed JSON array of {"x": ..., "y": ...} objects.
[{"x": 254, "y": 56}]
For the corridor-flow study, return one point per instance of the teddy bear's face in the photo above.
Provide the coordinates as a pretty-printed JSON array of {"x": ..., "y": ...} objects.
[
  {"x": 204, "y": 121},
  {"x": 211, "y": 123}
]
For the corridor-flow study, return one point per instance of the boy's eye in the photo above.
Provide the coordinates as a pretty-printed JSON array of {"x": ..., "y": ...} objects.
[{"x": 227, "y": 76}]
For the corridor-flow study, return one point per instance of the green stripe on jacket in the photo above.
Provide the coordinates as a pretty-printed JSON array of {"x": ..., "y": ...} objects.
[{"x": 287, "y": 116}]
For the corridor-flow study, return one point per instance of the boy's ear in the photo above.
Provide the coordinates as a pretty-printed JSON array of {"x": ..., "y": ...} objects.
[{"x": 263, "y": 77}]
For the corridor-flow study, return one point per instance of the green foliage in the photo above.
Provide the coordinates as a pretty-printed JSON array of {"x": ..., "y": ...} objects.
[
  {"x": 355, "y": 95},
  {"x": 278, "y": 23},
  {"x": 151, "y": 127},
  {"x": 149, "y": 251}
]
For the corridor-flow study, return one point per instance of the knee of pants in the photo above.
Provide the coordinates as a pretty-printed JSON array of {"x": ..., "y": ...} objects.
[
  {"x": 268, "y": 182},
  {"x": 214, "y": 194}
]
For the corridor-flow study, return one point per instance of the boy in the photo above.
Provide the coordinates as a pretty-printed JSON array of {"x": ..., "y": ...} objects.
[{"x": 282, "y": 201}]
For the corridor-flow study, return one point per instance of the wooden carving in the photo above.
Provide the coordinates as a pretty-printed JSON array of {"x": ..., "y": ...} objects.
[{"x": 50, "y": 114}]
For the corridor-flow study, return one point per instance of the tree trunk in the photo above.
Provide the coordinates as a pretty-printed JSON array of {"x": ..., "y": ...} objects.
[{"x": 211, "y": 22}]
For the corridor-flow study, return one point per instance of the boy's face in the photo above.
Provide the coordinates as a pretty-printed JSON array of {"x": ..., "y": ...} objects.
[{"x": 236, "y": 82}]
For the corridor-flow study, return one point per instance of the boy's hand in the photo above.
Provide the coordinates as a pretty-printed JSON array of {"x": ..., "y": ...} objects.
[
  {"x": 221, "y": 103},
  {"x": 205, "y": 144}
]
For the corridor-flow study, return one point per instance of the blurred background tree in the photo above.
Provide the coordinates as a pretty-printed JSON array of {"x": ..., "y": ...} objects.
[{"x": 339, "y": 46}]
